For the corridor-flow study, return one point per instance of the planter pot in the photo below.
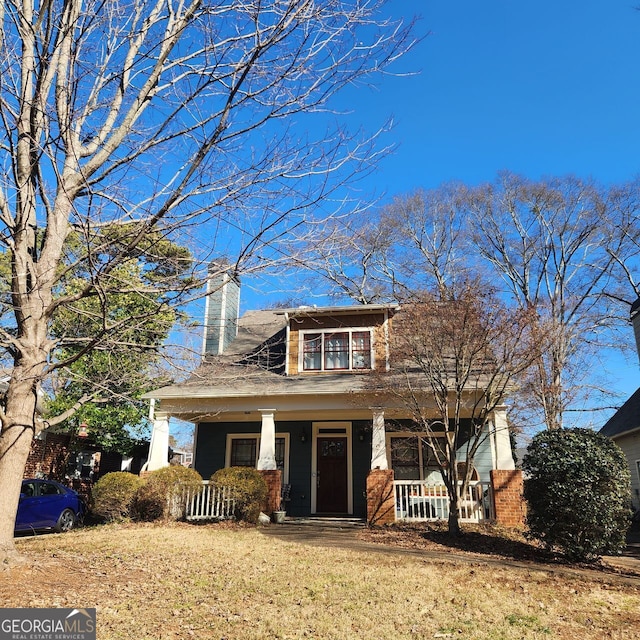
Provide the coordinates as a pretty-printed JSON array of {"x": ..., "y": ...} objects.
[{"x": 279, "y": 516}]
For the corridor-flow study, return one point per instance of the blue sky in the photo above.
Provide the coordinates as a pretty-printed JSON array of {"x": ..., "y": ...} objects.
[
  {"x": 540, "y": 89},
  {"x": 545, "y": 88}
]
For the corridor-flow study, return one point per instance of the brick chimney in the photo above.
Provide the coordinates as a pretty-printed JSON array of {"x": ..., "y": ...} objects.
[{"x": 222, "y": 308}]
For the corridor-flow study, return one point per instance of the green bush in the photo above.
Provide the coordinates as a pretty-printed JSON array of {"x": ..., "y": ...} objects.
[
  {"x": 113, "y": 494},
  {"x": 578, "y": 491},
  {"x": 248, "y": 489},
  {"x": 164, "y": 493}
]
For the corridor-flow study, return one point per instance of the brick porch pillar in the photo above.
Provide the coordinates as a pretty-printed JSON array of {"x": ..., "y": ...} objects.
[
  {"x": 273, "y": 478},
  {"x": 381, "y": 503},
  {"x": 508, "y": 502}
]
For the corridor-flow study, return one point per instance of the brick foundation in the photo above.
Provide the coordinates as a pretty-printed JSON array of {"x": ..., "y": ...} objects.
[
  {"x": 381, "y": 504},
  {"x": 509, "y": 505},
  {"x": 274, "y": 484}
]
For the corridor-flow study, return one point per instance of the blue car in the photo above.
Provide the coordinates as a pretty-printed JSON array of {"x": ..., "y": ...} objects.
[{"x": 45, "y": 504}]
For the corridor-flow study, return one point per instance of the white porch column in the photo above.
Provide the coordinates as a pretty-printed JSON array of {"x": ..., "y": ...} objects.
[
  {"x": 500, "y": 441},
  {"x": 267, "y": 457},
  {"x": 159, "y": 447},
  {"x": 378, "y": 443}
]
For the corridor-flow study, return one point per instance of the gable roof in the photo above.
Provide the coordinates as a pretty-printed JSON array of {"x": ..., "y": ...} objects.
[{"x": 625, "y": 419}]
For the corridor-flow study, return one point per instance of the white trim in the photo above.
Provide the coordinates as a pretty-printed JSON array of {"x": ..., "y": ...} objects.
[
  {"x": 387, "y": 347},
  {"x": 323, "y": 332},
  {"x": 237, "y": 436},
  {"x": 287, "y": 338},
  {"x": 337, "y": 429}
]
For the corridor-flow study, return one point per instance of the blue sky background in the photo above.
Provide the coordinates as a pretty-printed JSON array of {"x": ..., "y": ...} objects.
[
  {"x": 541, "y": 89},
  {"x": 545, "y": 88}
]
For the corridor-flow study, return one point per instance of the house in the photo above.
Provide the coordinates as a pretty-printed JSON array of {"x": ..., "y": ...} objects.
[
  {"x": 286, "y": 391},
  {"x": 624, "y": 426}
]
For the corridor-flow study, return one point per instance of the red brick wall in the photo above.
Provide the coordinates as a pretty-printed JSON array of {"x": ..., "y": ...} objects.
[
  {"x": 509, "y": 505},
  {"x": 381, "y": 504},
  {"x": 274, "y": 483},
  {"x": 48, "y": 456}
]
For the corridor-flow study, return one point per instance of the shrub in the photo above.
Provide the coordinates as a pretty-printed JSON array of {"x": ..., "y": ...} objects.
[
  {"x": 164, "y": 493},
  {"x": 577, "y": 487},
  {"x": 149, "y": 503},
  {"x": 113, "y": 494},
  {"x": 248, "y": 489}
]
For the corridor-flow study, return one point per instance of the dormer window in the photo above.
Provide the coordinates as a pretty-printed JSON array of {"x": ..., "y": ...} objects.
[{"x": 345, "y": 350}]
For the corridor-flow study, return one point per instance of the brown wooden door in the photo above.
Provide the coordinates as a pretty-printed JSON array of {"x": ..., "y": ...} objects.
[{"x": 331, "y": 496}]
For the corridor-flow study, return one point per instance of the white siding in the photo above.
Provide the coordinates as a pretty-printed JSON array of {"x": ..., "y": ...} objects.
[{"x": 630, "y": 444}]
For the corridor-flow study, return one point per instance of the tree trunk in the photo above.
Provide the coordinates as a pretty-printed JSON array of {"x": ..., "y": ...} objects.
[
  {"x": 454, "y": 517},
  {"x": 15, "y": 444}
]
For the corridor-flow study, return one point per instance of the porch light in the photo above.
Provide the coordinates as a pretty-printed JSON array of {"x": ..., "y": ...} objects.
[
  {"x": 303, "y": 435},
  {"x": 362, "y": 434}
]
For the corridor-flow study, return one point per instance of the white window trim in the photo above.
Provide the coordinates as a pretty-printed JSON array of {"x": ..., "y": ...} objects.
[
  {"x": 256, "y": 436},
  {"x": 323, "y": 332}
]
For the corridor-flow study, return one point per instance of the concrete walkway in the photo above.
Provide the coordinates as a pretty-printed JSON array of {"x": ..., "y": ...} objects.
[{"x": 343, "y": 533}]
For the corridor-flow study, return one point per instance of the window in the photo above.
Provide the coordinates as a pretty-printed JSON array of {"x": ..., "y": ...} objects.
[
  {"x": 336, "y": 350},
  {"x": 244, "y": 450},
  {"x": 48, "y": 489},
  {"x": 410, "y": 459}
]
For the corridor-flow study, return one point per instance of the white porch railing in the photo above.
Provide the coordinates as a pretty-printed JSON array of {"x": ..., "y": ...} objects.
[
  {"x": 416, "y": 500},
  {"x": 210, "y": 503}
]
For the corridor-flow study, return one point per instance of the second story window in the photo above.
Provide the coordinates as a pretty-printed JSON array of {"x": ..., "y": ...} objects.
[{"x": 336, "y": 351}]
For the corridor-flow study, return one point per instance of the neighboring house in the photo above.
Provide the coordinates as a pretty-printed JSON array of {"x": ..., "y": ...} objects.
[
  {"x": 624, "y": 427},
  {"x": 285, "y": 390}
]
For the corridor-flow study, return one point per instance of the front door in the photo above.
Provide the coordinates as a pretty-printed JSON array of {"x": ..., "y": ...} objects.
[{"x": 331, "y": 480}]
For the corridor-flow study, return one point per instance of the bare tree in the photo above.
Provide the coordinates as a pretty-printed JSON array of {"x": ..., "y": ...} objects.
[
  {"x": 552, "y": 242},
  {"x": 567, "y": 248},
  {"x": 456, "y": 355},
  {"x": 417, "y": 241},
  {"x": 171, "y": 118},
  {"x": 353, "y": 254},
  {"x": 430, "y": 229}
]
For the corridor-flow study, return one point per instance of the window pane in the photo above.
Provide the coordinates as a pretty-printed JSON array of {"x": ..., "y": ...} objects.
[
  {"x": 405, "y": 460},
  {"x": 243, "y": 452},
  {"x": 312, "y": 352},
  {"x": 336, "y": 351},
  {"x": 361, "y": 349}
]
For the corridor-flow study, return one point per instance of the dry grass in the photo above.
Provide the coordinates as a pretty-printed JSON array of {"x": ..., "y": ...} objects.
[{"x": 182, "y": 581}]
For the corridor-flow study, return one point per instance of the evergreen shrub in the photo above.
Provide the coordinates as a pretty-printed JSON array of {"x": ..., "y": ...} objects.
[{"x": 578, "y": 493}]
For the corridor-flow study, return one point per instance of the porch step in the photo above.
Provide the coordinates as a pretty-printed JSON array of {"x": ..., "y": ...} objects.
[{"x": 327, "y": 522}]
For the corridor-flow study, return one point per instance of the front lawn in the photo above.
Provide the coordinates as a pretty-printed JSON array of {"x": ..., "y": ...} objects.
[{"x": 223, "y": 581}]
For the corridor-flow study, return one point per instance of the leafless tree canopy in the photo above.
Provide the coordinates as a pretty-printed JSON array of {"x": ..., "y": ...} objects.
[{"x": 565, "y": 247}]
